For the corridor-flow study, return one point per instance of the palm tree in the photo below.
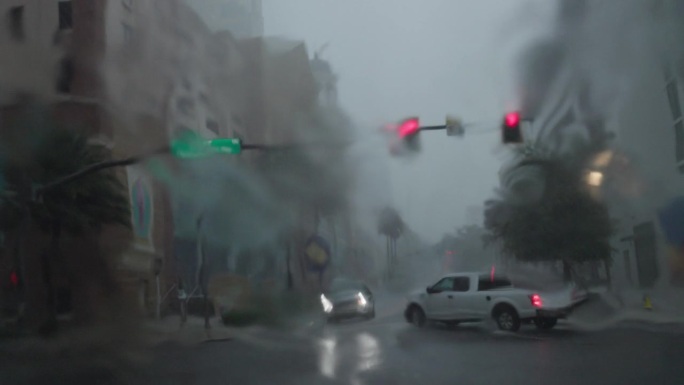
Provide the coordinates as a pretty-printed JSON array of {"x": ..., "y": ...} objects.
[
  {"x": 36, "y": 154},
  {"x": 392, "y": 227}
]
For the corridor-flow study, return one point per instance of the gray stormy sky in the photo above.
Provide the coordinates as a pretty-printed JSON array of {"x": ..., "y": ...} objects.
[{"x": 428, "y": 58}]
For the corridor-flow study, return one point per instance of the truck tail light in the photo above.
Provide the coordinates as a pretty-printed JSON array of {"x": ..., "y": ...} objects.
[{"x": 536, "y": 300}]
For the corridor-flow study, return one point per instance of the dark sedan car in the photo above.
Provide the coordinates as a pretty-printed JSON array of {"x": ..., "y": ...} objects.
[{"x": 347, "y": 298}]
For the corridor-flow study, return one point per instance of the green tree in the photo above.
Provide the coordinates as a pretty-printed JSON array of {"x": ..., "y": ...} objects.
[
  {"x": 35, "y": 153},
  {"x": 564, "y": 224}
]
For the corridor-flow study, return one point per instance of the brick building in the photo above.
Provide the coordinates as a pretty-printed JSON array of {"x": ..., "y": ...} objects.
[
  {"x": 96, "y": 64},
  {"x": 137, "y": 74}
]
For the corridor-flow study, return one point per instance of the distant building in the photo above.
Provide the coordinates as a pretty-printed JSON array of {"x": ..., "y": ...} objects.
[
  {"x": 326, "y": 80},
  {"x": 243, "y": 18}
]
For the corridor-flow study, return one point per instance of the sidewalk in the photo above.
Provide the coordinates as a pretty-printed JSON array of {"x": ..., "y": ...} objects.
[
  {"x": 607, "y": 309},
  {"x": 170, "y": 329}
]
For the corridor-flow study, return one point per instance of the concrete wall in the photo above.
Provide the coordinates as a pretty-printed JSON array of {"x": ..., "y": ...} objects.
[{"x": 648, "y": 136}]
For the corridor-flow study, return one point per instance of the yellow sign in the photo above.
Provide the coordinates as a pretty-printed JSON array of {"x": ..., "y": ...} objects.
[{"x": 317, "y": 254}]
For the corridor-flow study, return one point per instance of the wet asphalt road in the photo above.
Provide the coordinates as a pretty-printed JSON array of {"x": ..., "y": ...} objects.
[
  {"x": 391, "y": 352},
  {"x": 395, "y": 353}
]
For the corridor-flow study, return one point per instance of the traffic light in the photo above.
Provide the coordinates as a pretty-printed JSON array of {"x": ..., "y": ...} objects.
[
  {"x": 408, "y": 128},
  {"x": 14, "y": 279},
  {"x": 408, "y": 131},
  {"x": 403, "y": 136},
  {"x": 510, "y": 129}
]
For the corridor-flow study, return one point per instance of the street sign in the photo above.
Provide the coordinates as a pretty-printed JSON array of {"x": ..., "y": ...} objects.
[
  {"x": 190, "y": 145},
  {"x": 226, "y": 145},
  {"x": 454, "y": 127},
  {"x": 317, "y": 252}
]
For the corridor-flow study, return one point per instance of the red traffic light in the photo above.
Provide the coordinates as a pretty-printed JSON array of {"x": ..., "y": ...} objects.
[
  {"x": 512, "y": 119},
  {"x": 511, "y": 131},
  {"x": 409, "y": 127},
  {"x": 14, "y": 278}
]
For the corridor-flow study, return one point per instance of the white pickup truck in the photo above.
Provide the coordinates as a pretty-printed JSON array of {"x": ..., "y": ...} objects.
[{"x": 472, "y": 297}]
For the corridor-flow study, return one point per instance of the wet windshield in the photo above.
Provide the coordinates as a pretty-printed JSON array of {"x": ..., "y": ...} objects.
[{"x": 358, "y": 192}]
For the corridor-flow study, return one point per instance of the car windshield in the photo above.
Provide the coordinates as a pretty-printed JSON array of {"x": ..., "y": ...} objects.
[
  {"x": 332, "y": 191},
  {"x": 344, "y": 285}
]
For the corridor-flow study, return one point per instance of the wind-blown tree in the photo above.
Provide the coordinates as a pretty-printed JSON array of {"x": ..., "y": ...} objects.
[
  {"x": 390, "y": 223},
  {"x": 565, "y": 223},
  {"x": 36, "y": 153},
  {"x": 392, "y": 227},
  {"x": 468, "y": 245}
]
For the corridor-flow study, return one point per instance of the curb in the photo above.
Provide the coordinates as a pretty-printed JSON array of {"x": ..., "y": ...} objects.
[
  {"x": 188, "y": 335},
  {"x": 650, "y": 322},
  {"x": 665, "y": 326}
]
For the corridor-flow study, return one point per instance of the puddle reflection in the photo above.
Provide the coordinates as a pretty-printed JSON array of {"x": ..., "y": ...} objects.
[
  {"x": 350, "y": 357},
  {"x": 327, "y": 359}
]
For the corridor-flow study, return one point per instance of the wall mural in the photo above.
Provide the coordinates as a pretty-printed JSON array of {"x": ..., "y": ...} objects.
[{"x": 142, "y": 210}]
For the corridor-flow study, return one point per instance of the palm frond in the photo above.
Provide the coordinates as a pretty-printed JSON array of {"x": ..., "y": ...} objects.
[{"x": 88, "y": 202}]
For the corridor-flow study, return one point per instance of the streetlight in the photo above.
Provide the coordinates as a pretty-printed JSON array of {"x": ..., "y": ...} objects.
[{"x": 594, "y": 178}]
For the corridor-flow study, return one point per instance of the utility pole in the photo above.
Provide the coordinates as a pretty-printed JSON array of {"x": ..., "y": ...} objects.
[{"x": 202, "y": 278}]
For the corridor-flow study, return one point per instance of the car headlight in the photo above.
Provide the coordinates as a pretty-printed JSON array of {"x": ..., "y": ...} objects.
[
  {"x": 327, "y": 305},
  {"x": 361, "y": 300}
]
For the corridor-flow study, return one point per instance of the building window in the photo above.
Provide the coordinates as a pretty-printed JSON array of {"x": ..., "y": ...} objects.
[
  {"x": 672, "y": 90},
  {"x": 66, "y": 76},
  {"x": 213, "y": 126},
  {"x": 16, "y": 22},
  {"x": 673, "y": 97},
  {"x": 66, "y": 20},
  {"x": 186, "y": 106},
  {"x": 679, "y": 140},
  {"x": 127, "y": 32}
]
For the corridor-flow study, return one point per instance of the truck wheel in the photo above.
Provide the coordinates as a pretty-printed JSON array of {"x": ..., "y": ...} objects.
[
  {"x": 416, "y": 316},
  {"x": 545, "y": 323},
  {"x": 507, "y": 318}
]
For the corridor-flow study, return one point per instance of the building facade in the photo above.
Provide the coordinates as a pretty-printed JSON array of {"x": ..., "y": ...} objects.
[
  {"x": 140, "y": 73},
  {"x": 641, "y": 123},
  {"x": 650, "y": 131},
  {"x": 243, "y": 18},
  {"x": 134, "y": 74}
]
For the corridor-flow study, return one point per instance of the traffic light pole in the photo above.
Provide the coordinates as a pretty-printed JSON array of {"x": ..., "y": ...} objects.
[
  {"x": 430, "y": 128},
  {"x": 38, "y": 192}
]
